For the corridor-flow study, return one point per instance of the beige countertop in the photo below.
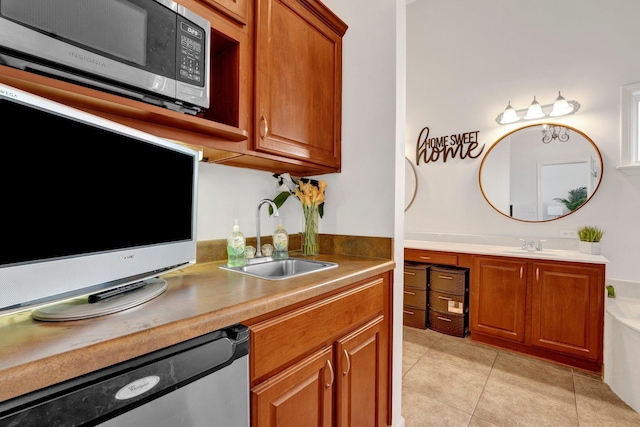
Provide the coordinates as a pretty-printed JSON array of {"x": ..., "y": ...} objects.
[
  {"x": 199, "y": 299},
  {"x": 510, "y": 251}
]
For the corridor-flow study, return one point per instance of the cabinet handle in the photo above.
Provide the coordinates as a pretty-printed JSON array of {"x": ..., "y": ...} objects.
[
  {"x": 425, "y": 257},
  {"x": 520, "y": 272},
  {"x": 537, "y": 274},
  {"x": 445, "y": 277},
  {"x": 409, "y": 293},
  {"x": 444, "y": 298},
  {"x": 264, "y": 127},
  {"x": 444, "y": 318},
  {"x": 346, "y": 354},
  {"x": 409, "y": 273},
  {"x": 330, "y": 383},
  {"x": 408, "y": 312}
]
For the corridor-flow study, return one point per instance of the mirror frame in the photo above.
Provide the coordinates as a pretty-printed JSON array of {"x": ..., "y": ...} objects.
[
  {"x": 409, "y": 168},
  {"x": 502, "y": 138}
]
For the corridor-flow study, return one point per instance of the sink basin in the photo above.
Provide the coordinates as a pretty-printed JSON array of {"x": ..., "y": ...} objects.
[
  {"x": 277, "y": 269},
  {"x": 545, "y": 253}
]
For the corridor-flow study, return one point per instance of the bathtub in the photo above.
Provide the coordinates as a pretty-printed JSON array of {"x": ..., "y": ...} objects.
[{"x": 622, "y": 342}]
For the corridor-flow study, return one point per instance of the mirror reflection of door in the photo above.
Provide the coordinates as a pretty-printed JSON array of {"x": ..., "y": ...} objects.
[
  {"x": 558, "y": 182},
  {"x": 525, "y": 176}
]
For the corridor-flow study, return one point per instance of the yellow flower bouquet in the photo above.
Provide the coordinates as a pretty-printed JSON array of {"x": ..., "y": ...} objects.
[{"x": 311, "y": 194}]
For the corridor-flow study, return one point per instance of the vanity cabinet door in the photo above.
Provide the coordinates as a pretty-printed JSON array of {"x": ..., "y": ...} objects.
[
  {"x": 497, "y": 298},
  {"x": 567, "y": 309}
]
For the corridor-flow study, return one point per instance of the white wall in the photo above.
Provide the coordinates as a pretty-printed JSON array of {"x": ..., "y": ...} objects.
[
  {"x": 466, "y": 60},
  {"x": 362, "y": 199}
]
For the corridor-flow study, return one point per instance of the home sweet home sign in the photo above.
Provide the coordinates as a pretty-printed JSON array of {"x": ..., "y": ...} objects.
[{"x": 441, "y": 148}]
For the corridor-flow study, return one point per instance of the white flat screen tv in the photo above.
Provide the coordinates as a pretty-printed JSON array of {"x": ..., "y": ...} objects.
[{"x": 87, "y": 204}]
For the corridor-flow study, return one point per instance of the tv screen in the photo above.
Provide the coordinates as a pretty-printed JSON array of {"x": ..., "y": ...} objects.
[{"x": 88, "y": 204}]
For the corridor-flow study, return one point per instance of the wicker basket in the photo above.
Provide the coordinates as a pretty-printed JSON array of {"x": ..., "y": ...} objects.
[
  {"x": 447, "y": 279},
  {"x": 414, "y": 317},
  {"x": 448, "y": 303},
  {"x": 447, "y": 323},
  {"x": 415, "y": 276}
]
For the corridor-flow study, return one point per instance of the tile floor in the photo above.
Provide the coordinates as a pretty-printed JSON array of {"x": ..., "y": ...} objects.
[{"x": 450, "y": 381}]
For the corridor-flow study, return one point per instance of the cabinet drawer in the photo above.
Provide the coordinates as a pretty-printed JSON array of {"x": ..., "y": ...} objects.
[
  {"x": 447, "y": 303},
  {"x": 453, "y": 281},
  {"x": 419, "y": 255},
  {"x": 415, "y": 297},
  {"x": 415, "y": 276},
  {"x": 447, "y": 323},
  {"x": 277, "y": 342},
  {"x": 414, "y": 317}
]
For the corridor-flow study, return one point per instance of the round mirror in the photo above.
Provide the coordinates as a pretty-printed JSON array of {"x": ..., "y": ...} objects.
[
  {"x": 410, "y": 183},
  {"x": 540, "y": 172}
]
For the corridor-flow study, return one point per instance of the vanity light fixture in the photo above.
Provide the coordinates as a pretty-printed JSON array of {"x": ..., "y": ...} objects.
[{"x": 560, "y": 107}]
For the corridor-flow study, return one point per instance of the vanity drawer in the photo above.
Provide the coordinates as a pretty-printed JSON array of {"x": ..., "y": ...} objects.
[
  {"x": 419, "y": 255},
  {"x": 447, "y": 303},
  {"x": 415, "y": 297},
  {"x": 414, "y": 317},
  {"x": 415, "y": 276},
  {"x": 450, "y": 280}
]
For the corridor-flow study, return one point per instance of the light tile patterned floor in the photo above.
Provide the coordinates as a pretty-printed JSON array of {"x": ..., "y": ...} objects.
[{"x": 454, "y": 382}]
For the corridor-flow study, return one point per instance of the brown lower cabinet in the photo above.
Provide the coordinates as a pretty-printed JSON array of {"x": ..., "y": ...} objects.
[
  {"x": 326, "y": 363},
  {"x": 548, "y": 309}
]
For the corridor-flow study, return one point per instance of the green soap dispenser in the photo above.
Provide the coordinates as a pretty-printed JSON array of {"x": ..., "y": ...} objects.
[
  {"x": 280, "y": 243},
  {"x": 236, "y": 256}
]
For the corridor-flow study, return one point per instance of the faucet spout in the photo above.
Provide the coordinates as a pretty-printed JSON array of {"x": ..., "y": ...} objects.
[{"x": 275, "y": 213}]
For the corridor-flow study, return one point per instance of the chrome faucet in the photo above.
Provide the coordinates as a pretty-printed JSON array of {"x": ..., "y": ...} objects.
[
  {"x": 275, "y": 213},
  {"x": 531, "y": 246}
]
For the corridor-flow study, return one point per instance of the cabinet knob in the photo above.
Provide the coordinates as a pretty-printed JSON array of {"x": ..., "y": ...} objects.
[{"x": 264, "y": 127}]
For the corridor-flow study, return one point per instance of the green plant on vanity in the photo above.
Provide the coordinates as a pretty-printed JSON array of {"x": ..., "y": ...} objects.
[{"x": 590, "y": 237}]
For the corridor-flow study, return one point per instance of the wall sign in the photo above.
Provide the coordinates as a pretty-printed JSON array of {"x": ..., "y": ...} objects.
[{"x": 460, "y": 145}]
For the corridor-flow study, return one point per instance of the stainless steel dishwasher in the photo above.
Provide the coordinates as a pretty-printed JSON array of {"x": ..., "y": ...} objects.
[{"x": 200, "y": 382}]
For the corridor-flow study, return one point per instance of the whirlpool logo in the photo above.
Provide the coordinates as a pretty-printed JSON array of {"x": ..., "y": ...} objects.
[{"x": 137, "y": 387}]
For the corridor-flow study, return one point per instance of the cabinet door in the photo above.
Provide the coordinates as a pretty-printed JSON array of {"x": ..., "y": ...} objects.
[
  {"x": 362, "y": 376},
  {"x": 567, "y": 309},
  {"x": 298, "y": 82},
  {"x": 299, "y": 396},
  {"x": 497, "y": 298},
  {"x": 234, "y": 9}
]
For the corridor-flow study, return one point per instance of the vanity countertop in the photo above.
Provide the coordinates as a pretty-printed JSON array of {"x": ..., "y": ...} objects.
[
  {"x": 200, "y": 299},
  {"x": 508, "y": 251}
]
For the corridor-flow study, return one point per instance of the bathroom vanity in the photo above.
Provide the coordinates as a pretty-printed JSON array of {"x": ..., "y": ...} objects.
[{"x": 547, "y": 304}]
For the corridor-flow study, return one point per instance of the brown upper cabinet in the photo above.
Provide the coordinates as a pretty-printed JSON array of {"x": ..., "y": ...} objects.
[
  {"x": 298, "y": 81},
  {"x": 234, "y": 9},
  {"x": 292, "y": 81}
]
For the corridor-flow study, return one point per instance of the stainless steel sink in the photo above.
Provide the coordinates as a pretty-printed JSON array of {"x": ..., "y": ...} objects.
[{"x": 277, "y": 269}]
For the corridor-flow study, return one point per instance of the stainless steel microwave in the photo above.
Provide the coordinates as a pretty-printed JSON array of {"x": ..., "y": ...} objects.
[{"x": 156, "y": 51}]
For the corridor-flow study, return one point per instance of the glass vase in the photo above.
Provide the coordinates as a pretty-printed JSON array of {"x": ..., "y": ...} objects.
[{"x": 310, "y": 245}]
